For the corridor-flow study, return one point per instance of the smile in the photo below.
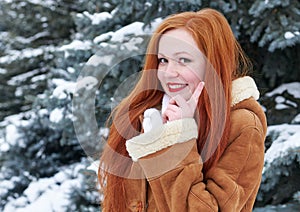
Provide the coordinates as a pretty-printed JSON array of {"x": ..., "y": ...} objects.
[{"x": 175, "y": 87}]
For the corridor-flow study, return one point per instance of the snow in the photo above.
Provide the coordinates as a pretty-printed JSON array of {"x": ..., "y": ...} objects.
[
  {"x": 3, "y": 145},
  {"x": 63, "y": 88},
  {"x": 56, "y": 115},
  {"x": 28, "y": 40},
  {"x": 131, "y": 29},
  {"x": 134, "y": 29},
  {"x": 133, "y": 44},
  {"x": 281, "y": 106},
  {"x": 76, "y": 45},
  {"x": 282, "y": 103},
  {"x": 46, "y": 194},
  {"x": 5, "y": 185},
  {"x": 12, "y": 135},
  {"x": 296, "y": 119},
  {"x": 97, "y": 18},
  {"x": 3, "y": 71},
  {"x": 287, "y": 138},
  {"x": 279, "y": 99},
  {"x": 94, "y": 166},
  {"x": 9, "y": 135},
  {"x": 38, "y": 78},
  {"x": 103, "y": 37},
  {"x": 88, "y": 83},
  {"x": 71, "y": 70},
  {"x": 289, "y": 35},
  {"x": 95, "y": 60},
  {"x": 22, "y": 77},
  {"x": 17, "y": 55},
  {"x": 104, "y": 132},
  {"x": 36, "y": 188},
  {"x": 45, "y": 3},
  {"x": 293, "y": 88}
]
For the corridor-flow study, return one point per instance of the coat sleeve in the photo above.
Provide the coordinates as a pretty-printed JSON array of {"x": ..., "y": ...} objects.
[{"x": 175, "y": 174}]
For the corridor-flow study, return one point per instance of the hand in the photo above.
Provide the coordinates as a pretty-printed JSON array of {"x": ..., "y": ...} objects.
[
  {"x": 179, "y": 108},
  {"x": 152, "y": 119}
]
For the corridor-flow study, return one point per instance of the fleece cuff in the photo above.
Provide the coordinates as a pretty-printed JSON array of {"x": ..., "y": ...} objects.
[{"x": 168, "y": 134}]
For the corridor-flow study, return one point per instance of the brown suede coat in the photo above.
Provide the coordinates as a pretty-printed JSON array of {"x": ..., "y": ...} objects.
[{"x": 171, "y": 178}]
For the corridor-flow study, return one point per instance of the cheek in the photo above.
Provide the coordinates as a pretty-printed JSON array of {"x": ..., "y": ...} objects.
[
  {"x": 192, "y": 77},
  {"x": 161, "y": 77}
]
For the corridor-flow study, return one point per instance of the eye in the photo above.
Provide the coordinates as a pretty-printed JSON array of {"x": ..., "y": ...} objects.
[
  {"x": 184, "y": 60},
  {"x": 162, "y": 60}
]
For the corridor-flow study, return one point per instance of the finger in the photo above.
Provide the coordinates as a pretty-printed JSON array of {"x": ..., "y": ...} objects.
[
  {"x": 180, "y": 101},
  {"x": 173, "y": 108},
  {"x": 171, "y": 115},
  {"x": 172, "y": 101},
  {"x": 167, "y": 115},
  {"x": 195, "y": 96},
  {"x": 170, "y": 111}
]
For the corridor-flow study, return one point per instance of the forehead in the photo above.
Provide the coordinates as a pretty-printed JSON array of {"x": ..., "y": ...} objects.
[{"x": 177, "y": 40}]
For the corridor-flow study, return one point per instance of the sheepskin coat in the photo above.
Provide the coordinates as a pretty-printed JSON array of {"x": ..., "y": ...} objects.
[{"x": 168, "y": 159}]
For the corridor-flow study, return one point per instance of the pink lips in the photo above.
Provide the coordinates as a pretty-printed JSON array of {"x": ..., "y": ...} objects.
[{"x": 175, "y": 87}]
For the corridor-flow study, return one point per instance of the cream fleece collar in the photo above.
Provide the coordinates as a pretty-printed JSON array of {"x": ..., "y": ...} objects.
[{"x": 243, "y": 88}]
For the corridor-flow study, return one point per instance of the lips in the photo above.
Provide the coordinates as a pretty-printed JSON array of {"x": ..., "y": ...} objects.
[{"x": 175, "y": 87}]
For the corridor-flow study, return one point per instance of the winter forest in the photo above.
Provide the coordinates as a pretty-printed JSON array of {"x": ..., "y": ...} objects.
[{"x": 65, "y": 64}]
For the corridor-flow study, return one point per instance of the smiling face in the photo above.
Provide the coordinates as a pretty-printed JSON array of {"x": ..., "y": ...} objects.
[{"x": 181, "y": 64}]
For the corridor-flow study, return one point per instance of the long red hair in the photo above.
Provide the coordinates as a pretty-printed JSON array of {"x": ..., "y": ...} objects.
[{"x": 216, "y": 41}]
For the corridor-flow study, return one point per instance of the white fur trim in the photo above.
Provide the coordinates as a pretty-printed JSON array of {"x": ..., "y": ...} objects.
[
  {"x": 165, "y": 102},
  {"x": 173, "y": 132},
  {"x": 243, "y": 88}
]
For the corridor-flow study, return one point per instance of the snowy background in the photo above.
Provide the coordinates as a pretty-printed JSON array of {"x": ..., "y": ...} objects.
[{"x": 61, "y": 64}]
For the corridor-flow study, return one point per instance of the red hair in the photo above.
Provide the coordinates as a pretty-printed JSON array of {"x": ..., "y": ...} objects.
[{"x": 216, "y": 41}]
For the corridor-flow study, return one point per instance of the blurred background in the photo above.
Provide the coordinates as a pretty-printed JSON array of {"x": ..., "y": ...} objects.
[{"x": 52, "y": 129}]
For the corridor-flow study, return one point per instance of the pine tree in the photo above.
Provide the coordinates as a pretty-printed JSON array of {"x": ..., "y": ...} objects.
[
  {"x": 274, "y": 25},
  {"x": 65, "y": 65}
]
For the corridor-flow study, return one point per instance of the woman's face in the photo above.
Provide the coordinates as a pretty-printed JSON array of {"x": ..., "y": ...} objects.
[{"x": 181, "y": 64}]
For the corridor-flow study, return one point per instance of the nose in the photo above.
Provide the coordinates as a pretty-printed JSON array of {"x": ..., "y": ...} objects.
[{"x": 172, "y": 68}]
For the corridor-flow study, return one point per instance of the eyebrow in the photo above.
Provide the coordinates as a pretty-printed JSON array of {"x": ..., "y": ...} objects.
[
  {"x": 182, "y": 52},
  {"x": 177, "y": 53}
]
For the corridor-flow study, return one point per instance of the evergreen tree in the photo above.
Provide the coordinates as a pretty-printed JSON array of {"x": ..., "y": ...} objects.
[
  {"x": 65, "y": 65},
  {"x": 275, "y": 25}
]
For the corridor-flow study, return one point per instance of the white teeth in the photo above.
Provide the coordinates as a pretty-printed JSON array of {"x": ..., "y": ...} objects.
[{"x": 176, "y": 86}]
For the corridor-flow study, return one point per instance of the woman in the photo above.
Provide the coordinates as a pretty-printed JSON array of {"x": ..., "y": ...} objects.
[{"x": 176, "y": 144}]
